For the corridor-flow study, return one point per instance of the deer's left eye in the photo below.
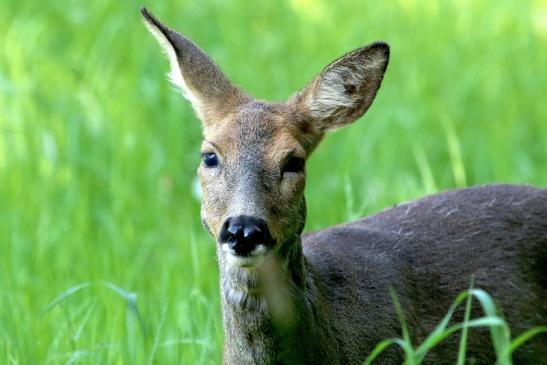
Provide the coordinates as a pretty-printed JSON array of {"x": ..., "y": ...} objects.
[
  {"x": 210, "y": 159},
  {"x": 294, "y": 164}
]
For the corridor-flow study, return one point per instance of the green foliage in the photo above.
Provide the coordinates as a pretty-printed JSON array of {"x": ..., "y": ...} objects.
[
  {"x": 492, "y": 319},
  {"x": 98, "y": 153}
]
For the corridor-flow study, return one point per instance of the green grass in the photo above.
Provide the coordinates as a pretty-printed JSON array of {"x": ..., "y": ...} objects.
[
  {"x": 98, "y": 153},
  {"x": 500, "y": 332}
]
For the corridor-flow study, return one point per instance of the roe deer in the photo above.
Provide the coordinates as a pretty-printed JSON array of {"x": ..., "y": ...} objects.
[{"x": 324, "y": 297}]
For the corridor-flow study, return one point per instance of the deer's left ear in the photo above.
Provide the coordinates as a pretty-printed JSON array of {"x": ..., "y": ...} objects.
[{"x": 345, "y": 89}]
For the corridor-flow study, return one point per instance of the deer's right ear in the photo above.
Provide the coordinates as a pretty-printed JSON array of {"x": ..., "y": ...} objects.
[
  {"x": 345, "y": 89},
  {"x": 200, "y": 80}
]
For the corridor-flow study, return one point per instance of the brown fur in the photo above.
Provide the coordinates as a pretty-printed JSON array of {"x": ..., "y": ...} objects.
[{"x": 324, "y": 297}]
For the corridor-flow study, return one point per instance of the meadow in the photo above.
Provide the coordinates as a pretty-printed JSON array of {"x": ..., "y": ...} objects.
[{"x": 103, "y": 259}]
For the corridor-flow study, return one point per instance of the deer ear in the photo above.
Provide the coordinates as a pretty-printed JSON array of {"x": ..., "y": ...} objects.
[
  {"x": 345, "y": 89},
  {"x": 200, "y": 80}
]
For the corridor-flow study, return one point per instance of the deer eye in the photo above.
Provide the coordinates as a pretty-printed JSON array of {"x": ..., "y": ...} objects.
[
  {"x": 294, "y": 164},
  {"x": 210, "y": 159}
]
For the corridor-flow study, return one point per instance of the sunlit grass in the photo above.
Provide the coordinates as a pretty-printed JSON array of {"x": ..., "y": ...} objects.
[{"x": 98, "y": 153}]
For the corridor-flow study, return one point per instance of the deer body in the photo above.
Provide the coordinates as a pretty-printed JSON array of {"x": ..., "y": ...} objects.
[
  {"x": 324, "y": 298},
  {"x": 427, "y": 250}
]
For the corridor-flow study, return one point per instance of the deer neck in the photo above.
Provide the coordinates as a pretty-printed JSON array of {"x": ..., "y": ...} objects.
[{"x": 269, "y": 312}]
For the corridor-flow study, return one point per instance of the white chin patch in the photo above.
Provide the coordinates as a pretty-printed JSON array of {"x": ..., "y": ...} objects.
[{"x": 256, "y": 258}]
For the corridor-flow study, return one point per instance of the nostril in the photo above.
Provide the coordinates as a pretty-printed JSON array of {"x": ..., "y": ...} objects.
[
  {"x": 235, "y": 229},
  {"x": 226, "y": 233}
]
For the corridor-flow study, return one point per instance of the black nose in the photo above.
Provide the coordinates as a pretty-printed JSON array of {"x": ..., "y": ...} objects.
[{"x": 243, "y": 233}]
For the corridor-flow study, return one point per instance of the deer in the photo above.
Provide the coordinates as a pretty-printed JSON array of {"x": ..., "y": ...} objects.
[{"x": 324, "y": 297}]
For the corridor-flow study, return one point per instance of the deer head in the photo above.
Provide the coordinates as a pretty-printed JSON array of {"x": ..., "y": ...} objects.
[{"x": 254, "y": 152}]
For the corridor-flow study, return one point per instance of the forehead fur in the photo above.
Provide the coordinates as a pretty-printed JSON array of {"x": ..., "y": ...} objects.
[{"x": 262, "y": 126}]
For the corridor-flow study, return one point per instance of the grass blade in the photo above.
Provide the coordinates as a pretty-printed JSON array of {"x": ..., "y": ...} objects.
[
  {"x": 133, "y": 320},
  {"x": 522, "y": 338},
  {"x": 380, "y": 347},
  {"x": 500, "y": 334},
  {"x": 436, "y": 336},
  {"x": 406, "y": 342},
  {"x": 463, "y": 339},
  {"x": 65, "y": 295},
  {"x": 157, "y": 336}
]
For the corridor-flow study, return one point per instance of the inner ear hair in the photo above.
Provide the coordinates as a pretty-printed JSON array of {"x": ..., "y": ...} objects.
[{"x": 345, "y": 89}]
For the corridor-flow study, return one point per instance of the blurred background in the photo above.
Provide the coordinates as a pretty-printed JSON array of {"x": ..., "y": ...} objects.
[{"x": 102, "y": 256}]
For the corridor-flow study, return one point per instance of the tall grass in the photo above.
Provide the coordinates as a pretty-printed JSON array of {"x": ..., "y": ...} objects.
[{"x": 98, "y": 153}]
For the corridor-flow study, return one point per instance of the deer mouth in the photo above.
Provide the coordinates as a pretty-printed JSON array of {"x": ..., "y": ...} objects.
[{"x": 249, "y": 260}]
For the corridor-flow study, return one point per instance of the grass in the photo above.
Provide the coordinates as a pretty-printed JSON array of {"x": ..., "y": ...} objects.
[
  {"x": 98, "y": 153},
  {"x": 500, "y": 332}
]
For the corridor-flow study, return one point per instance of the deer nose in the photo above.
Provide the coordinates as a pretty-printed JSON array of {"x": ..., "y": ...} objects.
[{"x": 244, "y": 233}]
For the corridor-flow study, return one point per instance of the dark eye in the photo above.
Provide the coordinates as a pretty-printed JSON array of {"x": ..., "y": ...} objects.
[
  {"x": 210, "y": 159},
  {"x": 295, "y": 164}
]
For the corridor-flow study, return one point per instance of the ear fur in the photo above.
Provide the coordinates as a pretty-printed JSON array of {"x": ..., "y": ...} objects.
[
  {"x": 200, "y": 80},
  {"x": 345, "y": 89}
]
